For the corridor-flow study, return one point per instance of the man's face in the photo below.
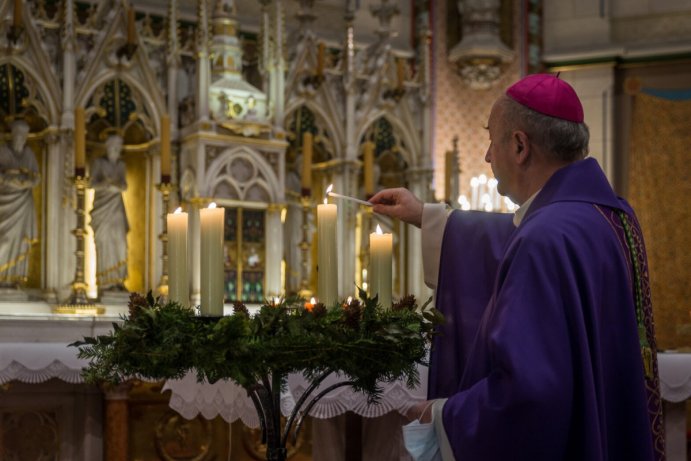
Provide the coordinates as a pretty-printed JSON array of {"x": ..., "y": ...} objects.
[{"x": 499, "y": 152}]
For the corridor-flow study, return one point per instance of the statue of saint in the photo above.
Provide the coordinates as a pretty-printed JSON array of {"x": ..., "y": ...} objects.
[
  {"x": 18, "y": 176},
  {"x": 108, "y": 217}
]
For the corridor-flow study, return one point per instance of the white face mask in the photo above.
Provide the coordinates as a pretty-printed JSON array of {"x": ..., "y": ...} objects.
[{"x": 421, "y": 441}]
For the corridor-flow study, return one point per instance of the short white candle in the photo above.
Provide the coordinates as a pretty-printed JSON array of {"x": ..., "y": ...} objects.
[
  {"x": 380, "y": 270},
  {"x": 212, "y": 260},
  {"x": 327, "y": 256},
  {"x": 178, "y": 282}
]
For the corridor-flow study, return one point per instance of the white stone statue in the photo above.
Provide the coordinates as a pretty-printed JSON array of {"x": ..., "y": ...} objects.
[
  {"x": 108, "y": 217},
  {"x": 18, "y": 176}
]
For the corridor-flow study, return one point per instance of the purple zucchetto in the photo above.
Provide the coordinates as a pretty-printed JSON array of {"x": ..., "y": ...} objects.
[{"x": 548, "y": 95}]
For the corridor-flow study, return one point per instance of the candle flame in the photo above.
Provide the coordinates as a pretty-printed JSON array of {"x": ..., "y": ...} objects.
[
  {"x": 212, "y": 205},
  {"x": 312, "y": 300},
  {"x": 328, "y": 189},
  {"x": 325, "y": 202},
  {"x": 178, "y": 210},
  {"x": 349, "y": 300},
  {"x": 379, "y": 231}
]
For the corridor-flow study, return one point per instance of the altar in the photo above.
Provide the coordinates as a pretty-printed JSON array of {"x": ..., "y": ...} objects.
[{"x": 49, "y": 359}]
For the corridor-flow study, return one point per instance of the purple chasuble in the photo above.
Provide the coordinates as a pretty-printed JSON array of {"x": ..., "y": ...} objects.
[{"x": 541, "y": 356}]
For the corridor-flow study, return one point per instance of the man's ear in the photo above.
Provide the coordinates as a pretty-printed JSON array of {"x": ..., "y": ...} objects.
[{"x": 521, "y": 147}]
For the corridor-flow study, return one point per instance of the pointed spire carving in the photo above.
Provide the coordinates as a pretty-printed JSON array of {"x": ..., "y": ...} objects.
[
  {"x": 68, "y": 36},
  {"x": 385, "y": 13},
  {"x": 173, "y": 57},
  {"x": 202, "y": 28},
  {"x": 305, "y": 15}
]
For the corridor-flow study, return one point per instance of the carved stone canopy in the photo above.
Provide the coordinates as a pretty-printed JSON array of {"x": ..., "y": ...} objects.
[{"x": 480, "y": 56}]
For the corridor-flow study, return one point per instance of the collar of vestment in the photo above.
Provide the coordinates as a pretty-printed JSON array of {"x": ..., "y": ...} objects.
[
  {"x": 581, "y": 181},
  {"x": 523, "y": 209}
]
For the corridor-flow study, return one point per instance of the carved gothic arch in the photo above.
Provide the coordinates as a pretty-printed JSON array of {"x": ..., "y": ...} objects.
[
  {"x": 401, "y": 131},
  {"x": 136, "y": 73},
  {"x": 243, "y": 175},
  {"x": 151, "y": 108},
  {"x": 331, "y": 124},
  {"x": 50, "y": 104}
]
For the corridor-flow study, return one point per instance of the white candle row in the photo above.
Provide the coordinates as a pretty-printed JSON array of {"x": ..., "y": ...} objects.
[
  {"x": 381, "y": 250},
  {"x": 212, "y": 267},
  {"x": 212, "y": 292},
  {"x": 485, "y": 196}
]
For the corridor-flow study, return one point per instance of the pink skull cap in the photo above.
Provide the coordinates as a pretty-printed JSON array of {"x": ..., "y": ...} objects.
[{"x": 548, "y": 95}]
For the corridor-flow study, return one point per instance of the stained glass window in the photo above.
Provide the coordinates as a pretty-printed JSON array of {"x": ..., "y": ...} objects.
[{"x": 13, "y": 91}]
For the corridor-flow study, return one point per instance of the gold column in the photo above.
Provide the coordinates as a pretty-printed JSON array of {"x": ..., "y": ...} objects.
[
  {"x": 116, "y": 437},
  {"x": 166, "y": 188},
  {"x": 79, "y": 303}
]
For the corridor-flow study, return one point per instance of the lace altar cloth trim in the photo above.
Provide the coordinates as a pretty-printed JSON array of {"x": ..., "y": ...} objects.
[
  {"x": 38, "y": 362},
  {"x": 229, "y": 401}
]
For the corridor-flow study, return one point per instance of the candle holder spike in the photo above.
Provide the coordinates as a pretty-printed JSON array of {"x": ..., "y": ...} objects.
[
  {"x": 165, "y": 187},
  {"x": 305, "y": 246}
]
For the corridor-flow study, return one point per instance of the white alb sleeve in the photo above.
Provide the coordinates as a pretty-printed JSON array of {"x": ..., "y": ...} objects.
[
  {"x": 434, "y": 216},
  {"x": 442, "y": 439}
]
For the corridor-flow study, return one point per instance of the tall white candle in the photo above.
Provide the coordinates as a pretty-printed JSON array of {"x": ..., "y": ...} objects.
[
  {"x": 474, "y": 183},
  {"x": 178, "y": 281},
  {"x": 212, "y": 260},
  {"x": 380, "y": 270},
  {"x": 482, "y": 190},
  {"x": 327, "y": 256}
]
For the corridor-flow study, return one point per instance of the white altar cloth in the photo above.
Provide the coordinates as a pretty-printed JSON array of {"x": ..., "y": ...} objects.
[
  {"x": 35, "y": 362},
  {"x": 675, "y": 388},
  {"x": 675, "y": 376}
]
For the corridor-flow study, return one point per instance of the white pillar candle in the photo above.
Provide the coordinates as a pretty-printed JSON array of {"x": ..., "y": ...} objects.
[
  {"x": 327, "y": 257},
  {"x": 380, "y": 270},
  {"x": 211, "y": 219},
  {"x": 178, "y": 280}
]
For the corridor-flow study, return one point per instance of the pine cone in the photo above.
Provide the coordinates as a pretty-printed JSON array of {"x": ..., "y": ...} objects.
[
  {"x": 240, "y": 308},
  {"x": 319, "y": 310},
  {"x": 408, "y": 302},
  {"x": 135, "y": 304},
  {"x": 352, "y": 314}
]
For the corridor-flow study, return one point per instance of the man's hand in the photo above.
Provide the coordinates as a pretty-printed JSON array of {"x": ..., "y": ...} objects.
[
  {"x": 421, "y": 411},
  {"x": 398, "y": 203}
]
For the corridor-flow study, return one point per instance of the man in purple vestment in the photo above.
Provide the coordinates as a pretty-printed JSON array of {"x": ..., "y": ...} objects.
[{"x": 548, "y": 352}]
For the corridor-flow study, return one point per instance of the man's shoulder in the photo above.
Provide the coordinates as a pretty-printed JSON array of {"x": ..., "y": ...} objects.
[{"x": 562, "y": 222}]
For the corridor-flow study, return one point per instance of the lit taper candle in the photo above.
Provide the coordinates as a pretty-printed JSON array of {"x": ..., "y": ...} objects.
[
  {"x": 380, "y": 270},
  {"x": 178, "y": 281},
  {"x": 211, "y": 219},
  {"x": 327, "y": 256}
]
